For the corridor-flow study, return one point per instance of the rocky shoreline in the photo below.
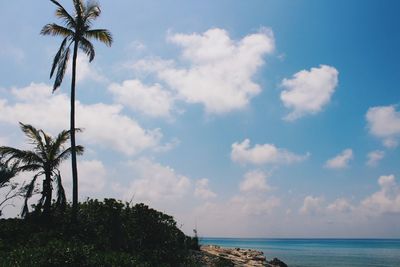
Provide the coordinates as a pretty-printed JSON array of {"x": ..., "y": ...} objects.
[{"x": 212, "y": 255}]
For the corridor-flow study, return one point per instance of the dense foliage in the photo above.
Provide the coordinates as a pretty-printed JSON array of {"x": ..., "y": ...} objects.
[{"x": 108, "y": 233}]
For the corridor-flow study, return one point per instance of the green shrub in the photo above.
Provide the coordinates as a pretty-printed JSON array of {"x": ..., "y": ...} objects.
[{"x": 107, "y": 233}]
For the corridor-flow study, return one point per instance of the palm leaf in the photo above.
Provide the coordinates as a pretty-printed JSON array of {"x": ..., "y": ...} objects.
[
  {"x": 56, "y": 30},
  {"x": 29, "y": 191},
  {"x": 33, "y": 134},
  {"x": 30, "y": 167},
  {"x": 101, "y": 35},
  {"x": 79, "y": 8},
  {"x": 88, "y": 48},
  {"x": 61, "y": 201},
  {"x": 7, "y": 172},
  {"x": 56, "y": 60},
  {"x": 62, "y": 13},
  {"x": 92, "y": 11},
  {"x": 67, "y": 153},
  {"x": 23, "y": 156},
  {"x": 62, "y": 66}
]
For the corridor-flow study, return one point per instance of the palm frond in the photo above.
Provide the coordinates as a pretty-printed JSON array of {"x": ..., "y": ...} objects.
[
  {"x": 61, "y": 201},
  {"x": 23, "y": 156},
  {"x": 56, "y": 30},
  {"x": 62, "y": 66},
  {"x": 62, "y": 13},
  {"x": 101, "y": 35},
  {"x": 48, "y": 145},
  {"x": 58, "y": 142},
  {"x": 56, "y": 60},
  {"x": 30, "y": 167},
  {"x": 67, "y": 153},
  {"x": 29, "y": 191},
  {"x": 92, "y": 11},
  {"x": 79, "y": 8},
  {"x": 33, "y": 134},
  {"x": 7, "y": 172},
  {"x": 88, "y": 48}
]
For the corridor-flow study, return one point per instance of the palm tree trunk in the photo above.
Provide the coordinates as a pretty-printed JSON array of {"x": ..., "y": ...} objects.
[
  {"x": 73, "y": 144},
  {"x": 47, "y": 192}
]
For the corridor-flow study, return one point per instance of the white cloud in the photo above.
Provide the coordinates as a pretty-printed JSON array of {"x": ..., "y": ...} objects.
[
  {"x": 308, "y": 92},
  {"x": 340, "y": 205},
  {"x": 149, "y": 100},
  {"x": 103, "y": 125},
  {"x": 254, "y": 181},
  {"x": 92, "y": 177},
  {"x": 374, "y": 157},
  {"x": 152, "y": 181},
  {"x": 386, "y": 200},
  {"x": 384, "y": 123},
  {"x": 202, "y": 189},
  {"x": 85, "y": 70},
  {"x": 219, "y": 70},
  {"x": 312, "y": 205},
  {"x": 263, "y": 154},
  {"x": 253, "y": 204},
  {"x": 341, "y": 161}
]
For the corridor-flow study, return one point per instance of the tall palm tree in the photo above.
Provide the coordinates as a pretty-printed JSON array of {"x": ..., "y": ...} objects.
[
  {"x": 77, "y": 31},
  {"x": 44, "y": 159}
]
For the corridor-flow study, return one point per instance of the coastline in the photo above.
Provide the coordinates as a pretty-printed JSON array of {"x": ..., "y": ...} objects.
[{"x": 213, "y": 255}]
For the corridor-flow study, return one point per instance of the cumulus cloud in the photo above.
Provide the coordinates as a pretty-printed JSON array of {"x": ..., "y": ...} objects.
[
  {"x": 386, "y": 200},
  {"x": 384, "y": 123},
  {"x": 263, "y": 154},
  {"x": 86, "y": 71},
  {"x": 312, "y": 205},
  {"x": 92, "y": 177},
  {"x": 103, "y": 125},
  {"x": 219, "y": 71},
  {"x": 308, "y": 92},
  {"x": 254, "y": 181},
  {"x": 341, "y": 161},
  {"x": 202, "y": 189},
  {"x": 374, "y": 157},
  {"x": 340, "y": 205},
  {"x": 152, "y": 181},
  {"x": 254, "y": 205},
  {"x": 152, "y": 100}
]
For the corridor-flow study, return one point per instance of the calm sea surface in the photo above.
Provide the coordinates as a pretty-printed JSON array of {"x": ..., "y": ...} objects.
[{"x": 321, "y": 252}]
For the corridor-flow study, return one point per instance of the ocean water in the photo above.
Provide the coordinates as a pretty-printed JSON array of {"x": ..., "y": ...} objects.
[{"x": 321, "y": 252}]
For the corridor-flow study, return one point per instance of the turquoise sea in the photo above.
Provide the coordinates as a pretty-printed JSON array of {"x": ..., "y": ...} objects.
[{"x": 321, "y": 252}]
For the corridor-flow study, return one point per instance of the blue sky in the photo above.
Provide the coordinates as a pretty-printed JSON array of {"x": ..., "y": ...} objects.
[{"x": 261, "y": 118}]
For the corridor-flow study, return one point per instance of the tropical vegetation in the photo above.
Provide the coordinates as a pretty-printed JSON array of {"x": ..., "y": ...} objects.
[
  {"x": 43, "y": 159},
  {"x": 107, "y": 233},
  {"x": 102, "y": 233}
]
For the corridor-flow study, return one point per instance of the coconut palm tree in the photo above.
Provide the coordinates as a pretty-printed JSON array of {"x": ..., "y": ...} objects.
[
  {"x": 77, "y": 31},
  {"x": 44, "y": 159}
]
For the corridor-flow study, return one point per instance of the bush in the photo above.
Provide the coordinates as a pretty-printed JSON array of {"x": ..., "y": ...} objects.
[{"x": 107, "y": 233}]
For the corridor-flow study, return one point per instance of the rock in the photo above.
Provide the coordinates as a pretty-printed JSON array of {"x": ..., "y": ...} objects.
[{"x": 277, "y": 263}]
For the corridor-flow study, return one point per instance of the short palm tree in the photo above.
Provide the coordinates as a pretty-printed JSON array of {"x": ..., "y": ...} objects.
[
  {"x": 77, "y": 31},
  {"x": 44, "y": 159}
]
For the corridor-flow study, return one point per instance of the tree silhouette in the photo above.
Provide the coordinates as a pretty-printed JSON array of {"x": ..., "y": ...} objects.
[
  {"x": 44, "y": 159},
  {"x": 76, "y": 30},
  {"x": 7, "y": 172}
]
